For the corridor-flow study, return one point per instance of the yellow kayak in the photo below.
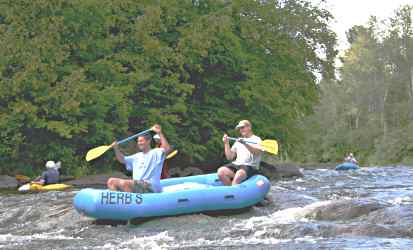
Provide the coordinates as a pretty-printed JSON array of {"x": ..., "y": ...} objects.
[{"x": 37, "y": 187}]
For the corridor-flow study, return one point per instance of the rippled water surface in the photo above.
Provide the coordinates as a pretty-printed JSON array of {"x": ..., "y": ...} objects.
[{"x": 371, "y": 208}]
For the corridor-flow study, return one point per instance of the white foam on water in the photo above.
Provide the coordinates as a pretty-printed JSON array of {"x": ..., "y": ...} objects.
[
  {"x": 257, "y": 239},
  {"x": 308, "y": 197},
  {"x": 340, "y": 184},
  {"x": 230, "y": 241},
  {"x": 401, "y": 200},
  {"x": 286, "y": 216},
  {"x": 308, "y": 239},
  {"x": 16, "y": 240},
  {"x": 159, "y": 241},
  {"x": 260, "y": 225},
  {"x": 273, "y": 188}
]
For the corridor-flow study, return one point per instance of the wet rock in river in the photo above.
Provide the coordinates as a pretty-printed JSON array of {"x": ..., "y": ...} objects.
[
  {"x": 304, "y": 229},
  {"x": 7, "y": 182},
  {"x": 396, "y": 215},
  {"x": 284, "y": 199},
  {"x": 374, "y": 230},
  {"x": 346, "y": 209},
  {"x": 280, "y": 170},
  {"x": 328, "y": 230}
]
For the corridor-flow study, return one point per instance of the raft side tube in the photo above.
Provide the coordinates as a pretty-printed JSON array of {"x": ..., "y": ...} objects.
[{"x": 106, "y": 204}]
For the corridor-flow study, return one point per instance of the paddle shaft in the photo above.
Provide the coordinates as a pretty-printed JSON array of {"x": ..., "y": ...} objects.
[
  {"x": 270, "y": 146},
  {"x": 234, "y": 139},
  {"x": 133, "y": 136}
]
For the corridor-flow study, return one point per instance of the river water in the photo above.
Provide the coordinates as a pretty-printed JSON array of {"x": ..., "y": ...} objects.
[{"x": 371, "y": 208}]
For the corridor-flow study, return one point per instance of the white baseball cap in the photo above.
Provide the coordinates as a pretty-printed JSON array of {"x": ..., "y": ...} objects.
[
  {"x": 156, "y": 137},
  {"x": 243, "y": 123},
  {"x": 52, "y": 164}
]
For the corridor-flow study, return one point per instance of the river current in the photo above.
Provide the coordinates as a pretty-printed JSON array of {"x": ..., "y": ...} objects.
[{"x": 371, "y": 208}]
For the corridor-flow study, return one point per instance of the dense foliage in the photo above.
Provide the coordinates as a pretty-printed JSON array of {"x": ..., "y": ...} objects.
[
  {"x": 79, "y": 74},
  {"x": 370, "y": 110}
]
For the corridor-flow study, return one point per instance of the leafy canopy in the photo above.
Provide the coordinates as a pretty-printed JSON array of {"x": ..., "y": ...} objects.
[{"x": 79, "y": 74}]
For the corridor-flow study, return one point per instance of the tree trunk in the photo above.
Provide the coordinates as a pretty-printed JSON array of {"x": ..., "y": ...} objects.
[
  {"x": 411, "y": 94},
  {"x": 411, "y": 82},
  {"x": 357, "y": 121},
  {"x": 383, "y": 115}
]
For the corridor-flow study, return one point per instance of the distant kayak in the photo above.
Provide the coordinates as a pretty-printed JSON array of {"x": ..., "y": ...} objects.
[
  {"x": 39, "y": 188},
  {"x": 181, "y": 195},
  {"x": 347, "y": 166}
]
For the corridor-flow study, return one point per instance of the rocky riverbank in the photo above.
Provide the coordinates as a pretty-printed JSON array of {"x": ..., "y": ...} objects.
[{"x": 272, "y": 171}]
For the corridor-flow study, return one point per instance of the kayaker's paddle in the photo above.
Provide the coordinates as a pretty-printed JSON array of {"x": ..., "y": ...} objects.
[
  {"x": 270, "y": 146},
  {"x": 98, "y": 151},
  {"x": 24, "y": 181},
  {"x": 22, "y": 178}
]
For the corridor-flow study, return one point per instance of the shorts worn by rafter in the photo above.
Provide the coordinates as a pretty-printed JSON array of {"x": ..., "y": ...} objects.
[
  {"x": 249, "y": 170},
  {"x": 142, "y": 187}
]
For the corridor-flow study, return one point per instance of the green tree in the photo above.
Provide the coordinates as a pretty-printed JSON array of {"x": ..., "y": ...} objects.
[
  {"x": 369, "y": 111},
  {"x": 79, "y": 74}
]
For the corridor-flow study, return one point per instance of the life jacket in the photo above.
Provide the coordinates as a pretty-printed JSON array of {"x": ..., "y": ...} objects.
[{"x": 165, "y": 170}]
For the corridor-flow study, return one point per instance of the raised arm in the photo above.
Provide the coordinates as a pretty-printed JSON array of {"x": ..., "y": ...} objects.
[
  {"x": 119, "y": 155},
  {"x": 164, "y": 142},
  {"x": 227, "y": 149}
]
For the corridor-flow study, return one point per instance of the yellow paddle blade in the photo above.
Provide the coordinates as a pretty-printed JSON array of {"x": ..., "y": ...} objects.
[
  {"x": 172, "y": 154},
  {"x": 22, "y": 178},
  {"x": 96, "y": 152},
  {"x": 270, "y": 146}
]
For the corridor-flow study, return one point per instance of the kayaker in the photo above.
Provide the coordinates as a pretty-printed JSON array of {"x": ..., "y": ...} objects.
[
  {"x": 350, "y": 158},
  {"x": 51, "y": 175},
  {"x": 146, "y": 165},
  {"x": 247, "y": 156},
  {"x": 165, "y": 167}
]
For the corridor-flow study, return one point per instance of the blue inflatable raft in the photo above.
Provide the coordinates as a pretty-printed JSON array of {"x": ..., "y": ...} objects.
[
  {"x": 347, "y": 166},
  {"x": 179, "y": 196}
]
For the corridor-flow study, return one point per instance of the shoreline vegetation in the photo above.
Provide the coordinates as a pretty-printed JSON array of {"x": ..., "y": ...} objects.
[{"x": 369, "y": 109}]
